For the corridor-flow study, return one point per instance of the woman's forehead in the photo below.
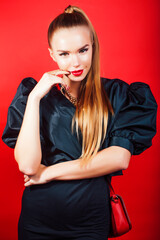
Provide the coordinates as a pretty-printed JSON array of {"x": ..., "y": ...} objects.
[{"x": 73, "y": 37}]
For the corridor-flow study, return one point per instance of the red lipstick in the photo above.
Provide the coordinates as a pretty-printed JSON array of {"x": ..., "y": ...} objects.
[{"x": 77, "y": 73}]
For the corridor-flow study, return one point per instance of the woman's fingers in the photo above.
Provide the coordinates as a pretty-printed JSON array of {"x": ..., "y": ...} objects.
[
  {"x": 27, "y": 181},
  {"x": 26, "y": 178},
  {"x": 48, "y": 80},
  {"x": 27, "y": 184},
  {"x": 59, "y": 72},
  {"x": 59, "y": 75}
]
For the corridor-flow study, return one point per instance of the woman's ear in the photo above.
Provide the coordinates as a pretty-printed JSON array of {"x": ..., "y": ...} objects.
[{"x": 51, "y": 54}]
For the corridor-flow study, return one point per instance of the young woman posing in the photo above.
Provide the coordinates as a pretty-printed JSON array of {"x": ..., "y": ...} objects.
[{"x": 70, "y": 130}]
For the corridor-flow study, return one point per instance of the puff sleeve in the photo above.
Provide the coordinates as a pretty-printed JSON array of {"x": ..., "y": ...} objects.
[
  {"x": 134, "y": 122},
  {"x": 16, "y": 112}
]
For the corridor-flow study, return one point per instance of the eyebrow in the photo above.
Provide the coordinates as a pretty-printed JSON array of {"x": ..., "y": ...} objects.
[{"x": 86, "y": 45}]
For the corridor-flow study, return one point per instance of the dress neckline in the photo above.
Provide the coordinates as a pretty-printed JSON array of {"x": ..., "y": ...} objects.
[{"x": 65, "y": 98}]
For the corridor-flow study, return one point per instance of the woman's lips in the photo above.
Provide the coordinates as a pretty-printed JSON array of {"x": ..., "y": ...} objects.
[{"x": 77, "y": 73}]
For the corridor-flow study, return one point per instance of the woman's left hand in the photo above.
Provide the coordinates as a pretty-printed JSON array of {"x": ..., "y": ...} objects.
[{"x": 38, "y": 178}]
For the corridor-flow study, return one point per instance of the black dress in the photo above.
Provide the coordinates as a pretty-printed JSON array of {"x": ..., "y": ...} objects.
[{"x": 77, "y": 209}]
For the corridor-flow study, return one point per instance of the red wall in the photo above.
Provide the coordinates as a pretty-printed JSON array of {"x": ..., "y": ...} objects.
[{"x": 129, "y": 36}]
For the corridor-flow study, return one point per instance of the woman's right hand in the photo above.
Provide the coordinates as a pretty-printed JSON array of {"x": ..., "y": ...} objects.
[{"x": 47, "y": 81}]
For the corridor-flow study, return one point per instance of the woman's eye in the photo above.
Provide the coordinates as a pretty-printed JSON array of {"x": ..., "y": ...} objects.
[
  {"x": 63, "y": 54},
  {"x": 83, "y": 50},
  {"x": 66, "y": 53}
]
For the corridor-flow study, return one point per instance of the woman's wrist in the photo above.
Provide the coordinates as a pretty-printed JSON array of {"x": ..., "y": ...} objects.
[
  {"x": 33, "y": 98},
  {"x": 49, "y": 173}
]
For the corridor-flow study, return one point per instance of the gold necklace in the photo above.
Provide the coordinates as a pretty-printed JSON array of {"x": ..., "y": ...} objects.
[{"x": 72, "y": 99}]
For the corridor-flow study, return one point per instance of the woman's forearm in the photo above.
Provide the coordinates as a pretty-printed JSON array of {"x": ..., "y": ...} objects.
[
  {"x": 28, "y": 147},
  {"x": 106, "y": 161},
  {"x": 28, "y": 152}
]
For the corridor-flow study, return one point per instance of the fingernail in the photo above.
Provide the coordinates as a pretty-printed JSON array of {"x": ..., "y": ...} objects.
[
  {"x": 68, "y": 73},
  {"x": 60, "y": 75}
]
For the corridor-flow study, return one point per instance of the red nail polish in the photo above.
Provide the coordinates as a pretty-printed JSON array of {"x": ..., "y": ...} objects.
[{"x": 60, "y": 75}]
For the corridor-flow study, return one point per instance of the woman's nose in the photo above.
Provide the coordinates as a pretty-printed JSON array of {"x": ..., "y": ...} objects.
[{"x": 75, "y": 60}]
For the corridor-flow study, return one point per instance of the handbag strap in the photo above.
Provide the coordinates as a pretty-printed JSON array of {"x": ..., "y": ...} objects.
[{"x": 110, "y": 188}]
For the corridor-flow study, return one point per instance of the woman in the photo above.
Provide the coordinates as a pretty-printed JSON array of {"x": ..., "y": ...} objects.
[{"x": 72, "y": 129}]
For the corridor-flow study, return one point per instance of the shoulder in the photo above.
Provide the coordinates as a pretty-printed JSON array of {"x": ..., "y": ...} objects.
[
  {"x": 23, "y": 90},
  {"x": 120, "y": 91},
  {"x": 28, "y": 81},
  {"x": 114, "y": 82},
  {"x": 119, "y": 84},
  {"x": 26, "y": 85},
  {"x": 117, "y": 91}
]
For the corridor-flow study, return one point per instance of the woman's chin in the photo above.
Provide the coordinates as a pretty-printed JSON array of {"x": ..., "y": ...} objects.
[{"x": 77, "y": 78}]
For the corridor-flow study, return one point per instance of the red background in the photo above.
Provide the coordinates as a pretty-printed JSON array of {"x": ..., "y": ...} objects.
[{"x": 129, "y": 37}]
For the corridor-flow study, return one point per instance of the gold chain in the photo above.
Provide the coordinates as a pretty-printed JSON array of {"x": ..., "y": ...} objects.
[{"x": 71, "y": 98}]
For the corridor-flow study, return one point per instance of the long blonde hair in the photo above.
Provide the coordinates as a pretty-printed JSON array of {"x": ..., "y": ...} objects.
[{"x": 91, "y": 115}]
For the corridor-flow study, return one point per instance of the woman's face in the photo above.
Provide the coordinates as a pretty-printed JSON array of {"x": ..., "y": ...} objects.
[{"x": 72, "y": 50}]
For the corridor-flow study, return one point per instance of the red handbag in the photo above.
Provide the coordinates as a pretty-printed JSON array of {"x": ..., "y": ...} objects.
[{"x": 120, "y": 222}]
